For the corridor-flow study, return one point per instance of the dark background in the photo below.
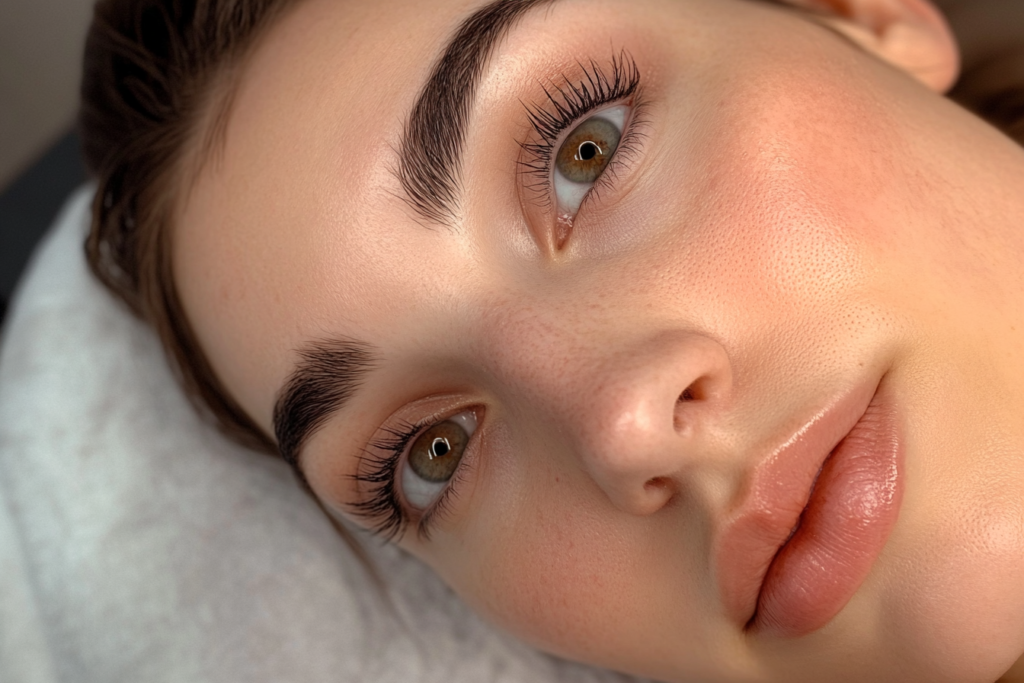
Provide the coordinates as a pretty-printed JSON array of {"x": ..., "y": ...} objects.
[{"x": 28, "y": 206}]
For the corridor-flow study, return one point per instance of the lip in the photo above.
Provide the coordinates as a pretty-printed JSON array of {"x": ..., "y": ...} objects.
[{"x": 814, "y": 518}]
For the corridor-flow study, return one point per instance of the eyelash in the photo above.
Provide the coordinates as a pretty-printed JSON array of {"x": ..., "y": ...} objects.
[
  {"x": 570, "y": 104},
  {"x": 383, "y": 506}
]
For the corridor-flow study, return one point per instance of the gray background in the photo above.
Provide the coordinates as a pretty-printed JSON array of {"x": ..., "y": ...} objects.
[
  {"x": 40, "y": 57},
  {"x": 41, "y": 44}
]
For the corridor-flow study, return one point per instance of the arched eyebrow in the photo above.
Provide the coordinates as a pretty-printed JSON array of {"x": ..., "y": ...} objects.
[
  {"x": 327, "y": 375},
  {"x": 431, "y": 146}
]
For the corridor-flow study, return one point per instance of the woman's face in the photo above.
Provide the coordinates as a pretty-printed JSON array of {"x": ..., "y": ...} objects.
[{"x": 785, "y": 301}]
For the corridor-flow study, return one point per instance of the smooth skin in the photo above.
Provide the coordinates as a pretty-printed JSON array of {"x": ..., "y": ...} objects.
[{"x": 804, "y": 213}]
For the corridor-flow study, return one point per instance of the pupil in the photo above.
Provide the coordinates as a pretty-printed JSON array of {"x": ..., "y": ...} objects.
[
  {"x": 439, "y": 448},
  {"x": 588, "y": 150}
]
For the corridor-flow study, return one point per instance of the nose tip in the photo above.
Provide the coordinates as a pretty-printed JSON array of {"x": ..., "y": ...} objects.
[{"x": 641, "y": 423}]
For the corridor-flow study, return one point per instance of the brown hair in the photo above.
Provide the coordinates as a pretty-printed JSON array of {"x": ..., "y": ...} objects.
[{"x": 158, "y": 77}]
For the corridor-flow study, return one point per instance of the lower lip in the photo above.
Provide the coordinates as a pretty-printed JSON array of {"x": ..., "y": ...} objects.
[{"x": 843, "y": 529}]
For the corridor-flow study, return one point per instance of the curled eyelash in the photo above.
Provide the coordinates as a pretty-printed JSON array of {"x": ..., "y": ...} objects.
[
  {"x": 569, "y": 103},
  {"x": 382, "y": 506}
]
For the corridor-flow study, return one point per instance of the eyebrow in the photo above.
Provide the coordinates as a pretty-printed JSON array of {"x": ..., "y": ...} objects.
[
  {"x": 432, "y": 142},
  {"x": 327, "y": 375}
]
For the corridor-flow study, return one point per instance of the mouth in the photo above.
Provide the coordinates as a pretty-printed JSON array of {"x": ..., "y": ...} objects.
[{"x": 815, "y": 518}]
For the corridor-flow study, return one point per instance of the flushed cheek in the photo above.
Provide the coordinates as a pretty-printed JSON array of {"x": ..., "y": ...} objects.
[{"x": 791, "y": 191}]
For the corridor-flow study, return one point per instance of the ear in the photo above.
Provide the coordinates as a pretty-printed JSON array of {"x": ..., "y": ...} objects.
[{"x": 912, "y": 35}]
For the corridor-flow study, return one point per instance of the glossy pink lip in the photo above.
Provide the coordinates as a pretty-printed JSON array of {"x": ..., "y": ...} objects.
[{"x": 817, "y": 513}]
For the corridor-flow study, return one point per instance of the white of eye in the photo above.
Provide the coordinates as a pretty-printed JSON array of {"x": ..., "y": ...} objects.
[
  {"x": 568, "y": 194},
  {"x": 419, "y": 492}
]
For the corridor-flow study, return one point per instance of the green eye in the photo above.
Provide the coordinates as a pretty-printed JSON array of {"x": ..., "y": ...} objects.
[
  {"x": 436, "y": 453},
  {"x": 586, "y": 152}
]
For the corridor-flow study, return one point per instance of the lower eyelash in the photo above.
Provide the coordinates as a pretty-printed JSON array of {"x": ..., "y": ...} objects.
[
  {"x": 625, "y": 153},
  {"x": 570, "y": 103},
  {"x": 445, "y": 500}
]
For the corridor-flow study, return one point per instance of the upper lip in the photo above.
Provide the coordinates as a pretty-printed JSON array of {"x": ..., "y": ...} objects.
[{"x": 778, "y": 493}]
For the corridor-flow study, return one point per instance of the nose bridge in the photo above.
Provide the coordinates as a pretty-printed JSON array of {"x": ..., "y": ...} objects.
[
  {"x": 531, "y": 350},
  {"x": 630, "y": 401}
]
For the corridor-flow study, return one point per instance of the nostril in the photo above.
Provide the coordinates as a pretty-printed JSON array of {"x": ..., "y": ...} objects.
[
  {"x": 659, "y": 491},
  {"x": 690, "y": 394},
  {"x": 657, "y": 484}
]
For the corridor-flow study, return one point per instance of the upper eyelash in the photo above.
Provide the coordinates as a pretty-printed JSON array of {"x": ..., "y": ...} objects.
[
  {"x": 570, "y": 103},
  {"x": 382, "y": 505}
]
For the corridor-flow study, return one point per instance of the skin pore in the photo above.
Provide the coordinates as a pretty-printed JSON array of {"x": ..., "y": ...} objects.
[{"x": 794, "y": 218}]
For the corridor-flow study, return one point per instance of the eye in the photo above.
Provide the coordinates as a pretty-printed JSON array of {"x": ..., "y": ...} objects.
[
  {"x": 433, "y": 459},
  {"x": 584, "y": 156}
]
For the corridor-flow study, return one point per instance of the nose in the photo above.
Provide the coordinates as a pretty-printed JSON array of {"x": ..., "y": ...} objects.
[{"x": 639, "y": 419}]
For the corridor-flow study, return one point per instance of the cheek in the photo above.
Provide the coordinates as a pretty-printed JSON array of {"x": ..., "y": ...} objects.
[
  {"x": 555, "y": 582},
  {"x": 549, "y": 560},
  {"x": 956, "y": 607},
  {"x": 793, "y": 189},
  {"x": 957, "y": 583},
  {"x": 772, "y": 221},
  {"x": 552, "y": 569}
]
